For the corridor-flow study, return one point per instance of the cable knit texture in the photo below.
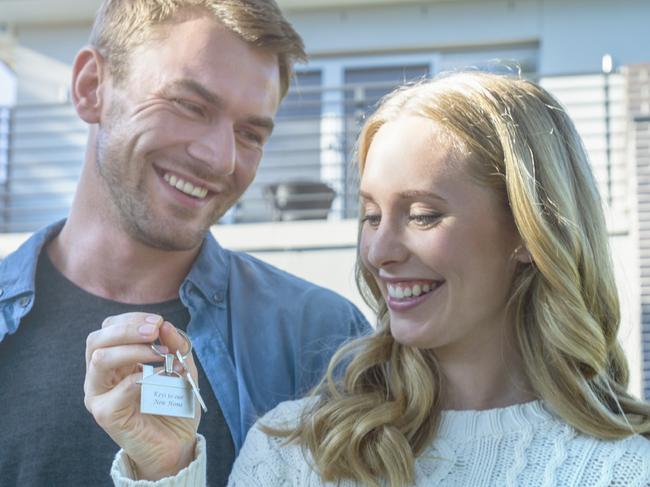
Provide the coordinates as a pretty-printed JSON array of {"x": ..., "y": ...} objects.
[
  {"x": 522, "y": 445},
  {"x": 191, "y": 476}
]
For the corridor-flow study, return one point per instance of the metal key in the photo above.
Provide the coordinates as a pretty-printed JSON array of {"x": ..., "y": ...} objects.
[{"x": 188, "y": 376}]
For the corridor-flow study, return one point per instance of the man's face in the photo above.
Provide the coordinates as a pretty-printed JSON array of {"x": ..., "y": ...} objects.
[{"x": 181, "y": 137}]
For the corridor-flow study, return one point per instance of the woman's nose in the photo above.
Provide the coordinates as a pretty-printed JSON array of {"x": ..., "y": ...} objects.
[{"x": 383, "y": 245}]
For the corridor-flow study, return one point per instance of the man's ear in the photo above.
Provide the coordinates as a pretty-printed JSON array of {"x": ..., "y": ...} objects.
[{"x": 87, "y": 84}]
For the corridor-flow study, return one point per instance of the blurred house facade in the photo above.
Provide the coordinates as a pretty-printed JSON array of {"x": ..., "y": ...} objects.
[{"x": 592, "y": 54}]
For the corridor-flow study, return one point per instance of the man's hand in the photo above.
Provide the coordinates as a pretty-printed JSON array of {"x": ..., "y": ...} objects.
[{"x": 159, "y": 446}]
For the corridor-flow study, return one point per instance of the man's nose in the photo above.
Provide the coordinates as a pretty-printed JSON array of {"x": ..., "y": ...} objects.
[{"x": 215, "y": 146}]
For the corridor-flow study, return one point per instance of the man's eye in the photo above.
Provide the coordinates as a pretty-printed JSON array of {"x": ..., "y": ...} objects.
[
  {"x": 189, "y": 106},
  {"x": 252, "y": 137},
  {"x": 425, "y": 220},
  {"x": 372, "y": 220}
]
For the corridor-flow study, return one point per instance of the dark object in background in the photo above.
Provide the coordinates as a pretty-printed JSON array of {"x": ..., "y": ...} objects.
[{"x": 300, "y": 200}]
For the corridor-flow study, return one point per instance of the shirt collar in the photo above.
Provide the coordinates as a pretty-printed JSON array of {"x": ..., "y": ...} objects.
[
  {"x": 209, "y": 274},
  {"x": 18, "y": 269},
  {"x": 211, "y": 271}
]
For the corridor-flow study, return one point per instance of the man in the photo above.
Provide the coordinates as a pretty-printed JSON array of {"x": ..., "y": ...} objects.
[{"x": 180, "y": 98}]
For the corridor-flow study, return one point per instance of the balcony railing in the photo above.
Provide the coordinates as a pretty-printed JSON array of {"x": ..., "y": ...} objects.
[{"x": 42, "y": 148}]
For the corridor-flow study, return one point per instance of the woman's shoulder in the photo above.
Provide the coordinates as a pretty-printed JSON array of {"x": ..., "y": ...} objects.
[
  {"x": 624, "y": 461},
  {"x": 631, "y": 446},
  {"x": 286, "y": 414},
  {"x": 635, "y": 448},
  {"x": 267, "y": 459}
]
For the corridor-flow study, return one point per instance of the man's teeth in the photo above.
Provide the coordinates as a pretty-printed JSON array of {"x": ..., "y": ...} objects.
[
  {"x": 185, "y": 187},
  {"x": 401, "y": 291}
]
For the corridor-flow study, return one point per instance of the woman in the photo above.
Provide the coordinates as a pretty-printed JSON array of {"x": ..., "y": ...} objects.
[{"x": 484, "y": 252}]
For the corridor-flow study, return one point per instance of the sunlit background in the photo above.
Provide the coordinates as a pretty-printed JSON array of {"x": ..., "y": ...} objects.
[{"x": 300, "y": 212}]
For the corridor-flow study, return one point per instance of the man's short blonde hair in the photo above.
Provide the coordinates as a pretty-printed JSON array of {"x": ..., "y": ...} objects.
[{"x": 122, "y": 25}]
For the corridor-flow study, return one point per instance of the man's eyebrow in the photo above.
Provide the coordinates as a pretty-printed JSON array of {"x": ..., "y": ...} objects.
[
  {"x": 199, "y": 90},
  {"x": 212, "y": 98}
]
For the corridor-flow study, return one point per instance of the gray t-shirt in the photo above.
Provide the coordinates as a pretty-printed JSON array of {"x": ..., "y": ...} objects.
[{"x": 47, "y": 437}]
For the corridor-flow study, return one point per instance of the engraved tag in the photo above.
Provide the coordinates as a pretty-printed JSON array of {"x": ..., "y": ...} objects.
[{"x": 165, "y": 395}]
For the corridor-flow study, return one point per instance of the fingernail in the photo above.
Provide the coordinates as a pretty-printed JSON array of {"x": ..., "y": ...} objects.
[
  {"x": 146, "y": 330},
  {"x": 162, "y": 349},
  {"x": 152, "y": 319}
]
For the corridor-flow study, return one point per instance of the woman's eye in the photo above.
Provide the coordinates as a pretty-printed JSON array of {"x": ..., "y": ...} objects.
[
  {"x": 424, "y": 220},
  {"x": 372, "y": 220}
]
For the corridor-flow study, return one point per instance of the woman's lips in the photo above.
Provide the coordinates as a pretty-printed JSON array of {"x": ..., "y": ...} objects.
[{"x": 404, "y": 295}]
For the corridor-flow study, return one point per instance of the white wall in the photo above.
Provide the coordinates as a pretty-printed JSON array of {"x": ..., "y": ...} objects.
[
  {"x": 416, "y": 27},
  {"x": 577, "y": 33},
  {"x": 572, "y": 35},
  {"x": 43, "y": 58}
]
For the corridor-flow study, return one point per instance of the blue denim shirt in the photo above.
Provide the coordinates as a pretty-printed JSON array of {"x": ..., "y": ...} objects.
[{"x": 262, "y": 335}]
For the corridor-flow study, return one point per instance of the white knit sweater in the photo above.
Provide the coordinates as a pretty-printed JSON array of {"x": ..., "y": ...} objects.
[{"x": 522, "y": 445}]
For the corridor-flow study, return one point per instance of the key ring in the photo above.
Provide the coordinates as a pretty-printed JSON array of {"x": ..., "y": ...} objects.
[
  {"x": 154, "y": 347},
  {"x": 170, "y": 357}
]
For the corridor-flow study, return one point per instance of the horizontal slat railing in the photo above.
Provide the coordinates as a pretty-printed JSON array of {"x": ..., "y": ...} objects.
[{"x": 42, "y": 148}]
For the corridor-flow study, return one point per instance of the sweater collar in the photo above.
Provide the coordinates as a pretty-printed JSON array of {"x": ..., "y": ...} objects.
[{"x": 491, "y": 422}]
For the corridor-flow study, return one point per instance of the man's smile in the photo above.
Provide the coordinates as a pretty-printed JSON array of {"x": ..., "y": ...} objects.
[{"x": 185, "y": 186}]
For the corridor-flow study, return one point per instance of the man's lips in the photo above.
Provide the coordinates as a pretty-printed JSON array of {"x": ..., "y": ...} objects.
[
  {"x": 185, "y": 186},
  {"x": 190, "y": 185}
]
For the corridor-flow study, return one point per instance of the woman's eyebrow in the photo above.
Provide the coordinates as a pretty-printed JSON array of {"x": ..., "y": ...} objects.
[
  {"x": 365, "y": 196},
  {"x": 410, "y": 194}
]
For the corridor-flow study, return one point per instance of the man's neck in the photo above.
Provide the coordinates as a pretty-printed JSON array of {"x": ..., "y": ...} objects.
[{"x": 105, "y": 261}]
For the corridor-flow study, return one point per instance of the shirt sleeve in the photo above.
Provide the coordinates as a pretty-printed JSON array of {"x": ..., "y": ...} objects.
[
  {"x": 326, "y": 322},
  {"x": 194, "y": 475}
]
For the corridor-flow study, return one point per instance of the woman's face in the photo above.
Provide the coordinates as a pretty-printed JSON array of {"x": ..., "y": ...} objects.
[{"x": 439, "y": 245}]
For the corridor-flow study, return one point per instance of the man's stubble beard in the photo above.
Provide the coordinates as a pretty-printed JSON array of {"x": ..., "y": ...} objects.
[{"x": 128, "y": 207}]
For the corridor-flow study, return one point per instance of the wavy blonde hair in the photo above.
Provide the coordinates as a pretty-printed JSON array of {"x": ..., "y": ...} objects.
[
  {"x": 122, "y": 25},
  {"x": 374, "y": 421}
]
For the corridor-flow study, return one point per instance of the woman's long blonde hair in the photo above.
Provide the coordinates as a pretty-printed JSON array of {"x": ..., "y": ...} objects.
[{"x": 374, "y": 421}]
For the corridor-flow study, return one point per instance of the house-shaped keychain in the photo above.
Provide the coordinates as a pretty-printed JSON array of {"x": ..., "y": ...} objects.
[{"x": 165, "y": 395}]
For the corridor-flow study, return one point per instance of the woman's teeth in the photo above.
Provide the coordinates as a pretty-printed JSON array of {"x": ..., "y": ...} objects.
[
  {"x": 401, "y": 291},
  {"x": 185, "y": 187}
]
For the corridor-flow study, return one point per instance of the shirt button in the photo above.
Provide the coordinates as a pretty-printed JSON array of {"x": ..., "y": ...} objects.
[
  {"x": 218, "y": 297},
  {"x": 2, "y": 291},
  {"x": 24, "y": 301}
]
